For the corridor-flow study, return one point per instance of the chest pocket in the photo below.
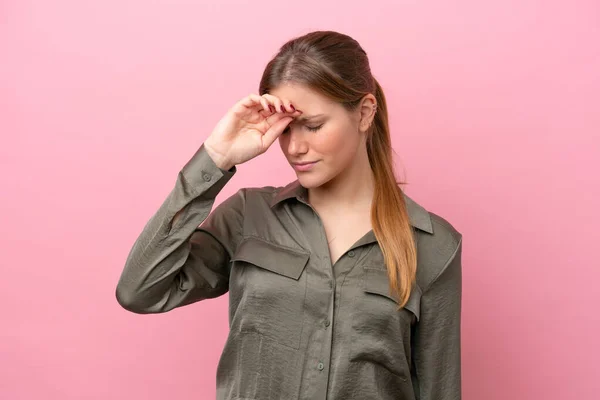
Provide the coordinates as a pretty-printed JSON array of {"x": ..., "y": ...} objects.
[
  {"x": 269, "y": 282},
  {"x": 381, "y": 331},
  {"x": 376, "y": 282}
]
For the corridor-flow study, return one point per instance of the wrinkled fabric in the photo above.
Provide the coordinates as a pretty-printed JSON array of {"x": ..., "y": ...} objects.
[{"x": 300, "y": 327}]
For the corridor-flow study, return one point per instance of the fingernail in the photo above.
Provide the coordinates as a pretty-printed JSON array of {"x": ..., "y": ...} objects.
[{"x": 283, "y": 108}]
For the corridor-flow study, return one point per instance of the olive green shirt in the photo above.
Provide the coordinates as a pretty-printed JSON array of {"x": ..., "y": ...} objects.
[{"x": 300, "y": 327}]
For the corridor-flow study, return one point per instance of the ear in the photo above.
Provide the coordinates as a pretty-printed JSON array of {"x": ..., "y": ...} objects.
[{"x": 367, "y": 108}]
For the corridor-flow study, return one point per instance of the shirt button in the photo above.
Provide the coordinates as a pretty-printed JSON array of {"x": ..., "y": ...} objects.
[
  {"x": 327, "y": 323},
  {"x": 351, "y": 253},
  {"x": 320, "y": 366},
  {"x": 330, "y": 284},
  {"x": 206, "y": 177}
]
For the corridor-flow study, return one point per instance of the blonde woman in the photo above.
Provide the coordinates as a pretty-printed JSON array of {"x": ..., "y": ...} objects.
[{"x": 340, "y": 285}]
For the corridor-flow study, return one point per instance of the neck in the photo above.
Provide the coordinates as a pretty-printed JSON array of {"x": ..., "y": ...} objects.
[{"x": 351, "y": 189}]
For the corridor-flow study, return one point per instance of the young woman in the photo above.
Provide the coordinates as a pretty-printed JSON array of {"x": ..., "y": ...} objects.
[{"x": 340, "y": 286}]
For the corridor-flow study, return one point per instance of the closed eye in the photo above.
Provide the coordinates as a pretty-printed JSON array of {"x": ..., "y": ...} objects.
[{"x": 310, "y": 128}]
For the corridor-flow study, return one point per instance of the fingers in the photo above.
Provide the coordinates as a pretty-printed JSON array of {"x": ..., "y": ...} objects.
[
  {"x": 276, "y": 102},
  {"x": 265, "y": 113},
  {"x": 280, "y": 105},
  {"x": 272, "y": 118},
  {"x": 267, "y": 103},
  {"x": 250, "y": 101},
  {"x": 275, "y": 130}
]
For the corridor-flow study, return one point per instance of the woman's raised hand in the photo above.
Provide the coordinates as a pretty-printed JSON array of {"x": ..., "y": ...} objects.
[{"x": 248, "y": 129}]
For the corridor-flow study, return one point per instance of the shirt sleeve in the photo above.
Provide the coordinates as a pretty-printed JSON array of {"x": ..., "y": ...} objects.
[
  {"x": 175, "y": 262},
  {"x": 437, "y": 348}
]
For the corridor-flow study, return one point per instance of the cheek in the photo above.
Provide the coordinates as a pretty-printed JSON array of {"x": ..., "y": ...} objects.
[{"x": 338, "y": 142}]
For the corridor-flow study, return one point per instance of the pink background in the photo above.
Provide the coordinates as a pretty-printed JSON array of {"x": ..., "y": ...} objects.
[{"x": 495, "y": 112}]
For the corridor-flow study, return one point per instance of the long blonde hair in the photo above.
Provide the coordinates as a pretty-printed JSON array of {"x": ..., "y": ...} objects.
[{"x": 335, "y": 65}]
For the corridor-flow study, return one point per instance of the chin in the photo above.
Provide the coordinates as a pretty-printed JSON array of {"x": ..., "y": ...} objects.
[{"x": 312, "y": 180}]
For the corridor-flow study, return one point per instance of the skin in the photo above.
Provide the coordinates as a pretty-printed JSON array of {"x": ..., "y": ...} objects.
[
  {"x": 309, "y": 128},
  {"x": 342, "y": 178}
]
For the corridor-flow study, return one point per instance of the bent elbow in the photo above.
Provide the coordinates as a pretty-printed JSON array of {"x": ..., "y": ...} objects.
[{"x": 129, "y": 300}]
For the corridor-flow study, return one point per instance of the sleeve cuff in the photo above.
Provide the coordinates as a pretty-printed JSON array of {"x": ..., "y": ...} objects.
[{"x": 201, "y": 172}]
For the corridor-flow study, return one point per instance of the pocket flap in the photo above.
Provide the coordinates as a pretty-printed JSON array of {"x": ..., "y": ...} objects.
[
  {"x": 281, "y": 260},
  {"x": 376, "y": 281}
]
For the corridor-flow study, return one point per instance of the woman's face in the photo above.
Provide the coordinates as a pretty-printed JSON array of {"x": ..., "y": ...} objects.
[{"x": 326, "y": 135}]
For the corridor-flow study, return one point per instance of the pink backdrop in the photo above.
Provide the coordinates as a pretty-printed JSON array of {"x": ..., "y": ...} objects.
[{"x": 495, "y": 111}]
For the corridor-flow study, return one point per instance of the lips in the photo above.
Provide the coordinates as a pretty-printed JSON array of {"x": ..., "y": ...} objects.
[
  {"x": 304, "y": 166},
  {"x": 304, "y": 163}
]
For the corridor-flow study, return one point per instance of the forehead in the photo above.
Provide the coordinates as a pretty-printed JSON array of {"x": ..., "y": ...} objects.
[{"x": 304, "y": 98}]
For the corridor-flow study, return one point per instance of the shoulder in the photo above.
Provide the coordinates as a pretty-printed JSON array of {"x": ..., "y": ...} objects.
[
  {"x": 250, "y": 203},
  {"x": 261, "y": 195},
  {"x": 268, "y": 196},
  {"x": 446, "y": 236},
  {"x": 436, "y": 249}
]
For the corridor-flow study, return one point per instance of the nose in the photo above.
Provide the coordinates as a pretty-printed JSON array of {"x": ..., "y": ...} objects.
[{"x": 297, "y": 144}]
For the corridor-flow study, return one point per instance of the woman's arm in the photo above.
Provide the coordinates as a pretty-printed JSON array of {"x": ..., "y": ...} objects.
[
  {"x": 436, "y": 352},
  {"x": 174, "y": 262}
]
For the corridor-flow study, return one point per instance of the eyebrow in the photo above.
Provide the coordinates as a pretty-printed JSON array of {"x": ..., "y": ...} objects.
[{"x": 307, "y": 117}]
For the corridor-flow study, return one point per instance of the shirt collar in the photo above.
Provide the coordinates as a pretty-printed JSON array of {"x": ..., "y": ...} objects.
[{"x": 418, "y": 216}]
